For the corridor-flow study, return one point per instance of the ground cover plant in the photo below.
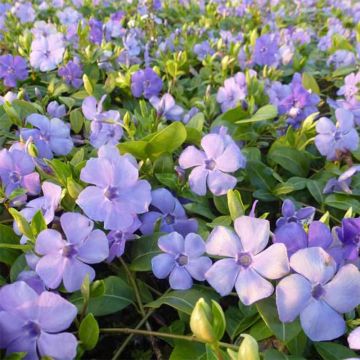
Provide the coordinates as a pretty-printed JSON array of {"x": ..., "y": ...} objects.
[{"x": 179, "y": 179}]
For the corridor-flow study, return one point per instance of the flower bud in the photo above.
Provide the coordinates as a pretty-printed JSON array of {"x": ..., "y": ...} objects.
[{"x": 249, "y": 349}]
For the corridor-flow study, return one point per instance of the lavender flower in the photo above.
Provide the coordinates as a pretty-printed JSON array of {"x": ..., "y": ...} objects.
[
  {"x": 247, "y": 264},
  {"x": 106, "y": 126},
  {"x": 66, "y": 260},
  {"x": 318, "y": 295},
  {"x": 96, "y": 31},
  {"x": 341, "y": 58},
  {"x": 117, "y": 195},
  {"x": 212, "y": 165},
  {"x": 72, "y": 74},
  {"x": 24, "y": 12},
  {"x": 202, "y": 50},
  {"x": 342, "y": 184},
  {"x": 47, "y": 52},
  {"x": 167, "y": 209},
  {"x": 351, "y": 86},
  {"x": 182, "y": 259},
  {"x": 290, "y": 214},
  {"x": 12, "y": 69},
  {"x": 49, "y": 136},
  {"x": 34, "y": 323},
  {"x": 233, "y": 91},
  {"x": 332, "y": 140},
  {"x": 17, "y": 170},
  {"x": 266, "y": 50},
  {"x": 55, "y": 110},
  {"x": 146, "y": 83},
  {"x": 166, "y": 106},
  {"x": 32, "y": 279}
]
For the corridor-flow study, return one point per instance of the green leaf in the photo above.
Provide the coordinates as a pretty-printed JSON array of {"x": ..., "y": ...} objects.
[
  {"x": 62, "y": 170},
  {"x": 292, "y": 160},
  {"x": 184, "y": 300},
  {"x": 143, "y": 250},
  {"x": 167, "y": 140},
  {"x": 16, "y": 356},
  {"x": 266, "y": 112},
  {"x": 22, "y": 224},
  {"x": 316, "y": 190},
  {"x": 310, "y": 83},
  {"x": 268, "y": 311},
  {"x": 8, "y": 237},
  {"x": 17, "y": 267},
  {"x": 235, "y": 204},
  {"x": 342, "y": 202},
  {"x": 76, "y": 120},
  {"x": 38, "y": 223},
  {"x": 219, "y": 322},
  {"x": 260, "y": 176},
  {"x": 332, "y": 351},
  {"x": 187, "y": 350},
  {"x": 89, "y": 332},
  {"x": 117, "y": 296},
  {"x": 136, "y": 148},
  {"x": 272, "y": 354}
]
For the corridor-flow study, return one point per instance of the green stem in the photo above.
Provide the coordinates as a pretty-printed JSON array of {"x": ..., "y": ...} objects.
[{"x": 161, "y": 334}]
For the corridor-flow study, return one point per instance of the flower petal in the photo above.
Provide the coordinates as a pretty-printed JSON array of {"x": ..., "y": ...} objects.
[
  {"x": 197, "y": 180},
  {"x": 198, "y": 267},
  {"x": 194, "y": 245},
  {"x": 223, "y": 242},
  {"x": 180, "y": 279},
  {"x": 76, "y": 227},
  {"x": 172, "y": 243},
  {"x": 57, "y": 346},
  {"x": 95, "y": 248},
  {"x": 74, "y": 274},
  {"x": 219, "y": 183},
  {"x": 191, "y": 157},
  {"x": 162, "y": 265}
]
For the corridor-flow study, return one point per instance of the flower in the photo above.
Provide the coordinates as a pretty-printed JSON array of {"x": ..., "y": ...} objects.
[
  {"x": 24, "y": 12},
  {"x": 354, "y": 339},
  {"x": 33, "y": 280},
  {"x": 47, "y": 203},
  {"x": 49, "y": 136},
  {"x": 47, "y": 52},
  {"x": 212, "y": 165},
  {"x": 66, "y": 260},
  {"x": 167, "y": 209},
  {"x": 266, "y": 50},
  {"x": 117, "y": 195},
  {"x": 318, "y": 295},
  {"x": 290, "y": 214},
  {"x": 166, "y": 106},
  {"x": 34, "y": 323},
  {"x": 332, "y": 140},
  {"x": 17, "y": 170},
  {"x": 341, "y": 58},
  {"x": 55, "y": 110},
  {"x": 349, "y": 236},
  {"x": 182, "y": 259},
  {"x": 72, "y": 74},
  {"x": 96, "y": 31},
  {"x": 105, "y": 126},
  {"x": 247, "y": 264},
  {"x": 12, "y": 69},
  {"x": 342, "y": 184},
  {"x": 202, "y": 50},
  {"x": 233, "y": 91},
  {"x": 146, "y": 82},
  {"x": 351, "y": 86}
]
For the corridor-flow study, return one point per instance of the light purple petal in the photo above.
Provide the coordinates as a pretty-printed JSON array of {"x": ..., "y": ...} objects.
[
  {"x": 198, "y": 267},
  {"x": 222, "y": 275},
  {"x": 162, "y": 265},
  {"x": 194, "y": 245},
  {"x": 50, "y": 268},
  {"x": 180, "y": 279},
  {"x": 163, "y": 200},
  {"x": 223, "y": 242},
  {"x": 98, "y": 172},
  {"x": 74, "y": 274},
  {"x": 292, "y": 294},
  {"x": 253, "y": 233},
  {"x": 95, "y": 248},
  {"x": 172, "y": 243},
  {"x": 197, "y": 180},
  {"x": 76, "y": 227},
  {"x": 265, "y": 265},
  {"x": 57, "y": 346},
  {"x": 319, "y": 235},
  {"x": 315, "y": 264},
  {"x": 219, "y": 183},
  {"x": 191, "y": 157},
  {"x": 342, "y": 293},
  {"x": 213, "y": 145},
  {"x": 320, "y": 322},
  {"x": 49, "y": 241},
  {"x": 89, "y": 107},
  {"x": 354, "y": 339},
  {"x": 231, "y": 159}
]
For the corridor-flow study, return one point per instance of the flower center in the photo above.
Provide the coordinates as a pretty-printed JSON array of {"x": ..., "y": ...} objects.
[
  {"x": 111, "y": 193},
  {"x": 338, "y": 135},
  {"x": 243, "y": 259},
  {"x": 210, "y": 164},
  {"x": 169, "y": 219},
  {"x": 318, "y": 291},
  {"x": 15, "y": 177},
  {"x": 32, "y": 329},
  {"x": 182, "y": 260},
  {"x": 69, "y": 251}
]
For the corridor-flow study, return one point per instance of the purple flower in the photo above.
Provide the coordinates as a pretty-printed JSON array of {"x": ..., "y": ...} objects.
[
  {"x": 342, "y": 58},
  {"x": 117, "y": 195},
  {"x": 182, "y": 259},
  {"x": 332, "y": 140},
  {"x": 34, "y": 323},
  {"x": 202, "y": 50},
  {"x": 212, "y": 165},
  {"x": 166, "y": 106},
  {"x": 33, "y": 280},
  {"x": 233, "y": 91},
  {"x": 55, "y": 110},
  {"x": 349, "y": 236},
  {"x": 354, "y": 339},
  {"x": 146, "y": 83},
  {"x": 47, "y": 52},
  {"x": 290, "y": 214},
  {"x": 9, "y": 97},
  {"x": 106, "y": 126},
  {"x": 318, "y": 295},
  {"x": 17, "y": 170},
  {"x": 266, "y": 50},
  {"x": 247, "y": 263},
  {"x": 167, "y": 209},
  {"x": 351, "y": 86},
  {"x": 12, "y": 69},
  {"x": 342, "y": 184},
  {"x": 118, "y": 238},
  {"x": 49, "y": 136},
  {"x": 72, "y": 74},
  {"x": 66, "y": 260},
  {"x": 96, "y": 31},
  {"x": 190, "y": 114},
  {"x": 47, "y": 203},
  {"x": 69, "y": 16},
  {"x": 24, "y": 12}
]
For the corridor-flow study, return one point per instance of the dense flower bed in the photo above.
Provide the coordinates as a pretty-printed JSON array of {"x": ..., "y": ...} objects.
[{"x": 179, "y": 179}]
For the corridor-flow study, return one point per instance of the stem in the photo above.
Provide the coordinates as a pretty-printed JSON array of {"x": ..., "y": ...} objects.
[{"x": 161, "y": 334}]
